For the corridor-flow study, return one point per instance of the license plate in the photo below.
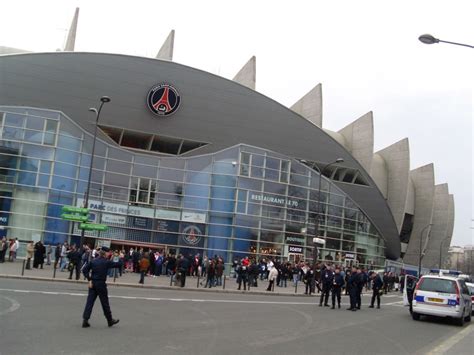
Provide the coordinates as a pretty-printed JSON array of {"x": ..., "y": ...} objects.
[{"x": 437, "y": 300}]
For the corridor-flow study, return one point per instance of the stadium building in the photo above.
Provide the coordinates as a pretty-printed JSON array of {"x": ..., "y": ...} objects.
[{"x": 187, "y": 161}]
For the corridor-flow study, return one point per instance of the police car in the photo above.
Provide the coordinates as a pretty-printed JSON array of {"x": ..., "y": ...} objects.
[
  {"x": 443, "y": 296},
  {"x": 470, "y": 286}
]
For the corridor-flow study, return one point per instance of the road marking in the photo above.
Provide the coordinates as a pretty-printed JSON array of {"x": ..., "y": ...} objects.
[
  {"x": 178, "y": 299},
  {"x": 15, "y": 305},
  {"x": 450, "y": 342}
]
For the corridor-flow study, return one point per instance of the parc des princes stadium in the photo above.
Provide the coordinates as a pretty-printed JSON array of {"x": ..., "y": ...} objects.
[{"x": 190, "y": 162}]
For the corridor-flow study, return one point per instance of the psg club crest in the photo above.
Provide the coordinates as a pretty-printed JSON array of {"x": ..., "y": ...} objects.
[
  {"x": 192, "y": 235},
  {"x": 163, "y": 100}
]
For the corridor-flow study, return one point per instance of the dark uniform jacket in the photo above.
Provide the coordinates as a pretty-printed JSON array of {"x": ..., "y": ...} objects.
[
  {"x": 338, "y": 281},
  {"x": 377, "y": 283},
  {"x": 99, "y": 267}
]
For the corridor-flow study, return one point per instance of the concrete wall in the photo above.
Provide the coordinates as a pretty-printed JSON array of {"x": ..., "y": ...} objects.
[
  {"x": 247, "y": 76},
  {"x": 379, "y": 173},
  {"x": 310, "y": 106},
  {"x": 166, "y": 50}
]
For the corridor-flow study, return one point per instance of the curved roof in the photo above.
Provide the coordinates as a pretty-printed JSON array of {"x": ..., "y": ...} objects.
[{"x": 213, "y": 109}]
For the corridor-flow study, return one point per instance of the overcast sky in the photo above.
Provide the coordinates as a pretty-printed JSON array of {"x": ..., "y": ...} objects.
[{"x": 365, "y": 53}]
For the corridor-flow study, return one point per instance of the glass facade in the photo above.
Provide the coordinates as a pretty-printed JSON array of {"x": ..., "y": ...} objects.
[{"x": 240, "y": 201}]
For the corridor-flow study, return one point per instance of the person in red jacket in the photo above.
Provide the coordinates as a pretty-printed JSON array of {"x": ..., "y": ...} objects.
[{"x": 144, "y": 264}]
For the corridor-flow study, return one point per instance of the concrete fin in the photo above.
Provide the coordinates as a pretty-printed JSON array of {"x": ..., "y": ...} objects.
[
  {"x": 71, "y": 37},
  {"x": 166, "y": 50},
  {"x": 248, "y": 74},
  {"x": 423, "y": 181},
  {"x": 397, "y": 164},
  {"x": 359, "y": 136},
  {"x": 310, "y": 106}
]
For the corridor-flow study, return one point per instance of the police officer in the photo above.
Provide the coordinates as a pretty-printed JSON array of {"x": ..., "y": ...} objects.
[
  {"x": 377, "y": 284},
  {"x": 360, "y": 286},
  {"x": 352, "y": 287},
  {"x": 98, "y": 287},
  {"x": 337, "y": 284},
  {"x": 74, "y": 257},
  {"x": 327, "y": 276},
  {"x": 183, "y": 266}
]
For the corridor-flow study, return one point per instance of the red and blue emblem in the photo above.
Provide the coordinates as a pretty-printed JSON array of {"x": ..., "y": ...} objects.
[{"x": 163, "y": 99}]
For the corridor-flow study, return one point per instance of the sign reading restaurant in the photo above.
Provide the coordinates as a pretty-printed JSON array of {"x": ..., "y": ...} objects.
[{"x": 272, "y": 199}]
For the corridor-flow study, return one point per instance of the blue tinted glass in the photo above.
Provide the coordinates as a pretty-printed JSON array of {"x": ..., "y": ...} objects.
[
  {"x": 43, "y": 113},
  {"x": 69, "y": 143},
  {"x": 43, "y": 180},
  {"x": 38, "y": 151},
  {"x": 62, "y": 184},
  {"x": 224, "y": 180},
  {"x": 27, "y": 178},
  {"x": 67, "y": 156},
  {"x": 49, "y": 138},
  {"x": 33, "y": 136},
  {"x": 14, "y": 120},
  {"x": 36, "y": 123},
  {"x": 45, "y": 167},
  {"x": 12, "y": 133},
  {"x": 29, "y": 164},
  {"x": 64, "y": 170}
]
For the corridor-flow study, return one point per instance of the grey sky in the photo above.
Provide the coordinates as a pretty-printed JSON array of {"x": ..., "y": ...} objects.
[{"x": 365, "y": 54}]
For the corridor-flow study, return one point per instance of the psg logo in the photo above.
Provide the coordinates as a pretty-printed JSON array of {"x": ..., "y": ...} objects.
[
  {"x": 163, "y": 100},
  {"x": 192, "y": 235}
]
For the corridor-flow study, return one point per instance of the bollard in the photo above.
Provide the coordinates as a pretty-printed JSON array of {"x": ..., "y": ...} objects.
[
  {"x": 223, "y": 284},
  {"x": 23, "y": 268},
  {"x": 115, "y": 273},
  {"x": 54, "y": 270},
  {"x": 273, "y": 286},
  {"x": 197, "y": 286},
  {"x": 171, "y": 279},
  {"x": 296, "y": 286}
]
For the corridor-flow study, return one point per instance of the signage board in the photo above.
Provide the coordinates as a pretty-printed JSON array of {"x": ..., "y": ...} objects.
[
  {"x": 103, "y": 243},
  {"x": 349, "y": 256},
  {"x": 74, "y": 217},
  {"x": 168, "y": 214},
  {"x": 73, "y": 209},
  {"x": 319, "y": 240},
  {"x": 193, "y": 217},
  {"x": 117, "y": 208},
  {"x": 295, "y": 250},
  {"x": 93, "y": 227},
  {"x": 113, "y": 219}
]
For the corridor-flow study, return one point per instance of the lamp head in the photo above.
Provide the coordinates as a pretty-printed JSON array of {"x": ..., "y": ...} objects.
[
  {"x": 339, "y": 160},
  {"x": 428, "y": 39},
  {"x": 105, "y": 99}
]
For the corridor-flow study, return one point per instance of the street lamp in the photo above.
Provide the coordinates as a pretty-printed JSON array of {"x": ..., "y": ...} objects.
[
  {"x": 429, "y": 39},
  {"x": 103, "y": 100},
  {"x": 441, "y": 250},
  {"x": 421, "y": 240},
  {"x": 318, "y": 216}
]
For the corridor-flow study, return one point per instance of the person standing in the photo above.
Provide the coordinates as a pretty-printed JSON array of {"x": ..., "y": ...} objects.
[
  {"x": 337, "y": 284},
  {"x": 57, "y": 255},
  {"x": 3, "y": 249},
  {"x": 360, "y": 286},
  {"x": 272, "y": 275},
  {"x": 49, "y": 250},
  {"x": 377, "y": 285},
  {"x": 144, "y": 264},
  {"x": 352, "y": 287},
  {"x": 182, "y": 268},
  {"x": 308, "y": 279},
  {"x": 75, "y": 262},
  {"x": 327, "y": 276},
  {"x": 96, "y": 273},
  {"x": 30, "y": 249},
  {"x": 40, "y": 251},
  {"x": 243, "y": 272},
  {"x": 64, "y": 261},
  {"x": 211, "y": 271}
]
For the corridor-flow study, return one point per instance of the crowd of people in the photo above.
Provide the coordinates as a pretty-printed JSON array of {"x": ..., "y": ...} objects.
[{"x": 10, "y": 248}]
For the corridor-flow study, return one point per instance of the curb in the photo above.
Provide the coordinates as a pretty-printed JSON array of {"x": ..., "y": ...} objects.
[{"x": 156, "y": 287}]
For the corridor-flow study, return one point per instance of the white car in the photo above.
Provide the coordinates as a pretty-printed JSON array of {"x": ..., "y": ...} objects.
[
  {"x": 470, "y": 286},
  {"x": 442, "y": 296}
]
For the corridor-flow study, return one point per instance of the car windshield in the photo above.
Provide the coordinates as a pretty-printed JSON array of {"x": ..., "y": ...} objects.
[{"x": 438, "y": 285}]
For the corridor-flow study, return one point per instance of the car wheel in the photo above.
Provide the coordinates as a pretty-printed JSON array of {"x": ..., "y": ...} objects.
[
  {"x": 468, "y": 318},
  {"x": 415, "y": 316},
  {"x": 460, "y": 321}
]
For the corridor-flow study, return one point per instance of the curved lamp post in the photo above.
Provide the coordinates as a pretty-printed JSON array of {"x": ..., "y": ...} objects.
[
  {"x": 103, "y": 100},
  {"x": 429, "y": 39},
  {"x": 318, "y": 216},
  {"x": 421, "y": 246}
]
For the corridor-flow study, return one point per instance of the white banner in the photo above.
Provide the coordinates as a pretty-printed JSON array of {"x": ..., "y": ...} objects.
[
  {"x": 193, "y": 217},
  {"x": 112, "y": 218},
  {"x": 168, "y": 214},
  {"x": 117, "y": 208}
]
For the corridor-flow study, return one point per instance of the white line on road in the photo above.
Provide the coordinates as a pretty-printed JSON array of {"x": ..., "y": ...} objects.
[
  {"x": 450, "y": 342},
  {"x": 173, "y": 299},
  {"x": 15, "y": 305}
]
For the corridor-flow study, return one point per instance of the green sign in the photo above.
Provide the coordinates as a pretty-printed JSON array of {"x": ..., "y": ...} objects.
[
  {"x": 93, "y": 227},
  {"x": 73, "y": 209},
  {"x": 74, "y": 217}
]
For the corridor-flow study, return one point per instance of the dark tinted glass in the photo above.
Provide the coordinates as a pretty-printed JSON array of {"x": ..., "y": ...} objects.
[{"x": 438, "y": 285}]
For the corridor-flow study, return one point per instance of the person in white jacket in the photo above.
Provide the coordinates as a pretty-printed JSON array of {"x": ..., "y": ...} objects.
[{"x": 272, "y": 275}]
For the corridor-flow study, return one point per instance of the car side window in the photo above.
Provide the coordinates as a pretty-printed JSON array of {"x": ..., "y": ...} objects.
[{"x": 464, "y": 288}]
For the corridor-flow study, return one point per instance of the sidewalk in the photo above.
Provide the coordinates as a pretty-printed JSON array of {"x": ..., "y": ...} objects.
[{"x": 128, "y": 279}]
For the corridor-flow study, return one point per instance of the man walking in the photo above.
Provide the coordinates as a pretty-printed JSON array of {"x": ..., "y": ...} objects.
[
  {"x": 98, "y": 287},
  {"x": 352, "y": 287},
  {"x": 75, "y": 260},
  {"x": 337, "y": 284},
  {"x": 377, "y": 284}
]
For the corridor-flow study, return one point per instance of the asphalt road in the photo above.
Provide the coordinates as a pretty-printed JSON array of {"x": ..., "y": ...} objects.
[{"x": 39, "y": 317}]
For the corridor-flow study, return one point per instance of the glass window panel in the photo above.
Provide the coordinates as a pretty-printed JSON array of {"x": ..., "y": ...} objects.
[
  {"x": 42, "y": 113},
  {"x": 35, "y": 123},
  {"x": 270, "y": 249},
  {"x": 61, "y": 183},
  {"x": 116, "y": 179},
  {"x": 250, "y": 184},
  {"x": 199, "y": 164},
  {"x": 67, "y": 156},
  {"x": 297, "y": 179},
  {"x": 12, "y": 133},
  {"x": 65, "y": 170},
  {"x": 70, "y": 143},
  {"x": 33, "y": 136},
  {"x": 29, "y": 164},
  {"x": 118, "y": 166},
  {"x": 144, "y": 170},
  {"x": 223, "y": 180},
  {"x": 14, "y": 120},
  {"x": 38, "y": 151},
  {"x": 348, "y": 242},
  {"x": 51, "y": 126},
  {"x": 272, "y": 223},
  {"x": 43, "y": 180},
  {"x": 27, "y": 178},
  {"x": 253, "y": 209},
  {"x": 257, "y": 164},
  {"x": 244, "y": 163},
  {"x": 170, "y": 174}
]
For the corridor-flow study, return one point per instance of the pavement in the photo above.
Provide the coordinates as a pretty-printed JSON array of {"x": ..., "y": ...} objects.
[{"x": 44, "y": 317}]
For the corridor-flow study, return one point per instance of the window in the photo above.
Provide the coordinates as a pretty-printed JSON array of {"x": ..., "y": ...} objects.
[
  {"x": 142, "y": 191},
  {"x": 284, "y": 170},
  {"x": 437, "y": 285},
  {"x": 272, "y": 167},
  {"x": 244, "y": 163}
]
